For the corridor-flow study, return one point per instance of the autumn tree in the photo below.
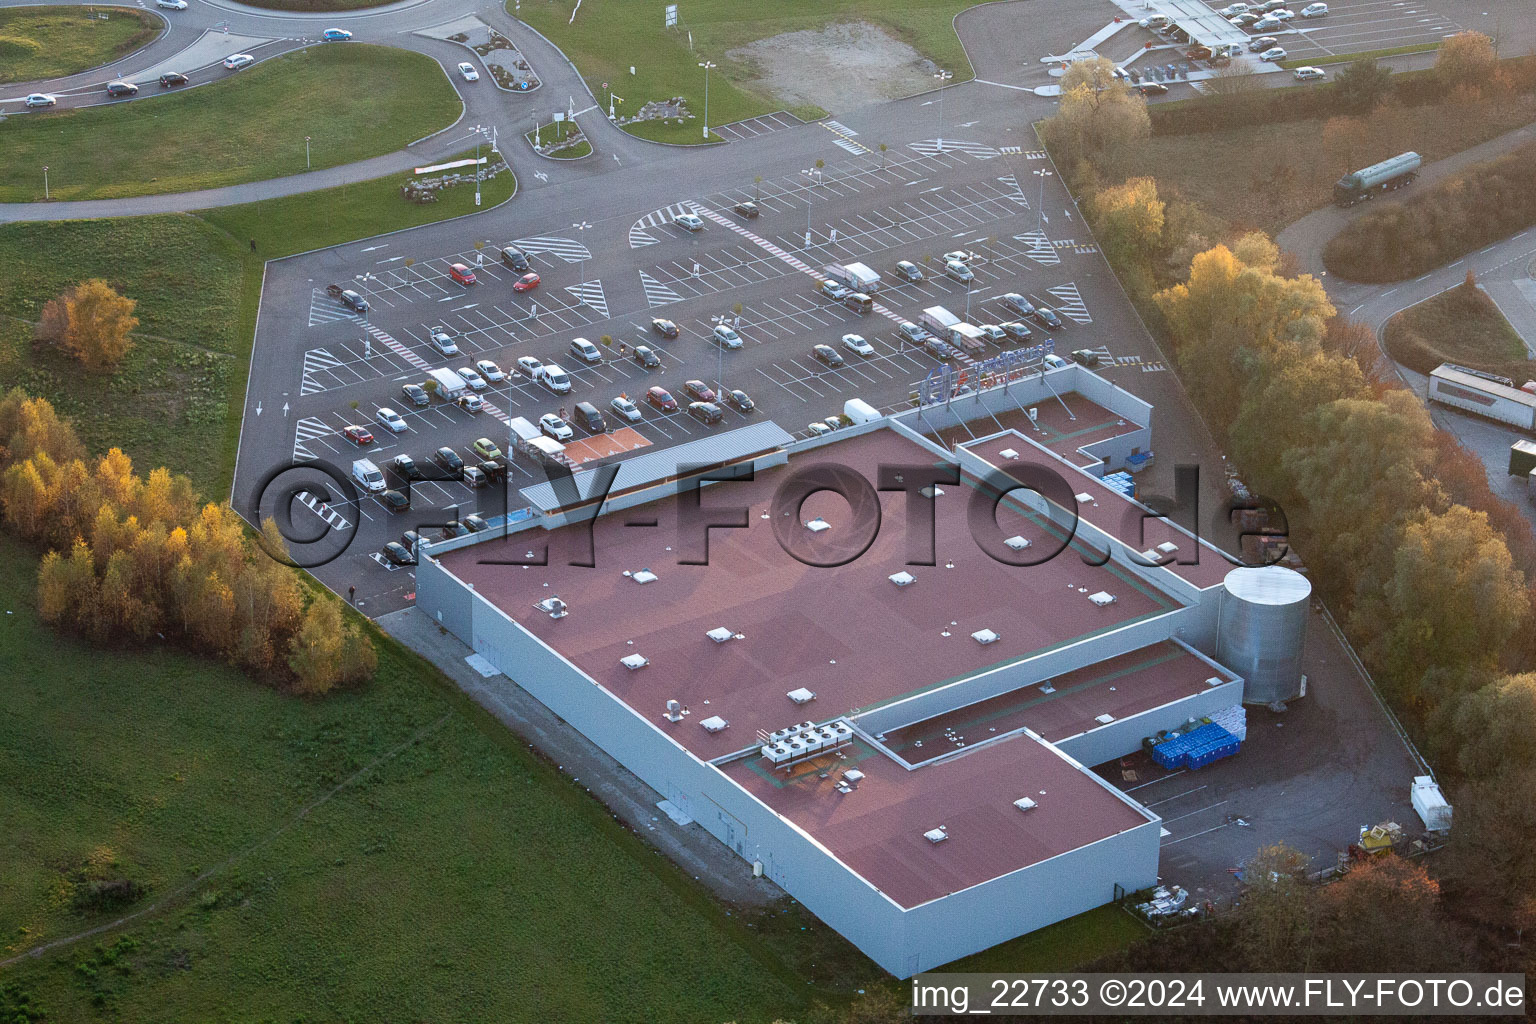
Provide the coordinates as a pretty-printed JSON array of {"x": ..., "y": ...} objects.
[
  {"x": 1128, "y": 222},
  {"x": 1489, "y": 871},
  {"x": 1385, "y": 912},
  {"x": 1494, "y": 728},
  {"x": 1363, "y": 84},
  {"x": 1277, "y": 912},
  {"x": 29, "y": 426},
  {"x": 1343, "y": 143},
  {"x": 1466, "y": 59},
  {"x": 326, "y": 654},
  {"x": 91, "y": 322},
  {"x": 1098, "y": 118}
]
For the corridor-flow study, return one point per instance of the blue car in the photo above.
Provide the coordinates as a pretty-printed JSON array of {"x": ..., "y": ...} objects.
[{"x": 335, "y": 35}]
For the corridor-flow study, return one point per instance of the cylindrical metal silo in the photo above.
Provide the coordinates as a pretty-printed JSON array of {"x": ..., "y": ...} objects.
[{"x": 1263, "y": 631}]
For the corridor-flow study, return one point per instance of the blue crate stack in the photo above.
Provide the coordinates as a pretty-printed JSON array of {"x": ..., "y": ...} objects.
[{"x": 1197, "y": 748}]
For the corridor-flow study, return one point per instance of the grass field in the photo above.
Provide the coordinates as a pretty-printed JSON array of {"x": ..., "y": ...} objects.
[
  {"x": 245, "y": 128},
  {"x": 51, "y": 42},
  {"x": 1460, "y": 326},
  {"x": 1346, "y": 58},
  {"x": 459, "y": 879},
  {"x": 197, "y": 284},
  {"x": 610, "y": 36}
]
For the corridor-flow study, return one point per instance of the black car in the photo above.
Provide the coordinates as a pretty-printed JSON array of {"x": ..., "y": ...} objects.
[
  {"x": 353, "y": 301},
  {"x": 1152, "y": 88},
  {"x": 493, "y": 471},
  {"x": 740, "y": 400},
  {"x": 395, "y": 501},
  {"x": 1046, "y": 317},
  {"x": 1017, "y": 331},
  {"x": 515, "y": 258},
  {"x": 122, "y": 89},
  {"x": 411, "y": 539},
  {"x": 474, "y": 524},
  {"x": 1018, "y": 303},
  {"x": 937, "y": 349},
  {"x": 828, "y": 355},
  {"x": 1262, "y": 43},
  {"x": 453, "y": 529},
  {"x": 647, "y": 357},
  {"x": 449, "y": 460},
  {"x": 747, "y": 210},
  {"x": 397, "y": 553},
  {"x": 1085, "y": 357},
  {"x": 416, "y": 394},
  {"x": 405, "y": 467},
  {"x": 665, "y": 328},
  {"x": 171, "y": 78},
  {"x": 706, "y": 412}
]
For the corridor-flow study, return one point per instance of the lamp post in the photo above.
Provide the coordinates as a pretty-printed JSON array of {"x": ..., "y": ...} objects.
[
  {"x": 45, "y": 182},
  {"x": 812, "y": 179},
  {"x": 581, "y": 226},
  {"x": 720, "y": 321},
  {"x": 306, "y": 152},
  {"x": 706, "y": 65},
  {"x": 363, "y": 279},
  {"x": 943, "y": 76},
  {"x": 1042, "y": 174}
]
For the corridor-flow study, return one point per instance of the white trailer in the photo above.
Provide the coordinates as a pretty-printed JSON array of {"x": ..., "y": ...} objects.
[
  {"x": 1484, "y": 394},
  {"x": 856, "y": 276},
  {"x": 449, "y": 384}
]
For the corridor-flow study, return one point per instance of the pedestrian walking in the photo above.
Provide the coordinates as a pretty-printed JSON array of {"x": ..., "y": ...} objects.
[
  {"x": 253, "y": 245},
  {"x": 352, "y": 596}
]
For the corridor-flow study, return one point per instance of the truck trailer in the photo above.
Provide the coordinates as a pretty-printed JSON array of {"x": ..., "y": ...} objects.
[
  {"x": 449, "y": 384},
  {"x": 856, "y": 276},
  {"x": 1484, "y": 394},
  {"x": 1386, "y": 176}
]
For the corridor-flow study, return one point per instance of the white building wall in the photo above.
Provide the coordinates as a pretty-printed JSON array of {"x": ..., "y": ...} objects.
[{"x": 1124, "y": 735}]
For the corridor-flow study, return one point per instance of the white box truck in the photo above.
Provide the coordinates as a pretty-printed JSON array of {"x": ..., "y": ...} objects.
[
  {"x": 449, "y": 384},
  {"x": 856, "y": 276},
  {"x": 367, "y": 474}
]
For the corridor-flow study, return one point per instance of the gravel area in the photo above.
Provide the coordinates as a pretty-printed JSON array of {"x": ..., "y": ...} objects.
[{"x": 840, "y": 67}]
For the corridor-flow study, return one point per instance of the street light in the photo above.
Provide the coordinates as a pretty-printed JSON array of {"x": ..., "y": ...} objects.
[
  {"x": 579, "y": 227},
  {"x": 45, "y": 182},
  {"x": 1042, "y": 174},
  {"x": 706, "y": 65},
  {"x": 363, "y": 279},
  {"x": 812, "y": 179},
  {"x": 306, "y": 152},
  {"x": 943, "y": 76}
]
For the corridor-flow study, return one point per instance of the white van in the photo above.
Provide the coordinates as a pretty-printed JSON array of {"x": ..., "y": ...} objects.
[
  {"x": 554, "y": 378},
  {"x": 368, "y": 475}
]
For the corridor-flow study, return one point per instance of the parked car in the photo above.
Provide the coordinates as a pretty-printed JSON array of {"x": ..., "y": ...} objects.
[
  {"x": 646, "y": 357},
  {"x": 172, "y": 78},
  {"x": 494, "y": 469},
  {"x": 959, "y": 272},
  {"x": 236, "y": 61},
  {"x": 415, "y": 394},
  {"x": 747, "y": 209},
  {"x": 818, "y": 429},
  {"x": 40, "y": 99},
  {"x": 476, "y": 524},
  {"x": 1310, "y": 74},
  {"x": 515, "y": 258},
  {"x": 449, "y": 460},
  {"x": 526, "y": 283},
  {"x": 358, "y": 435},
  {"x": 391, "y": 419},
  {"x": 405, "y": 467},
  {"x": 688, "y": 221},
  {"x": 1270, "y": 5},
  {"x": 699, "y": 390},
  {"x": 395, "y": 501},
  {"x": 1274, "y": 53},
  {"x": 1261, "y": 43},
  {"x": 909, "y": 271},
  {"x": 826, "y": 354},
  {"x": 662, "y": 399},
  {"x": 1156, "y": 21},
  {"x": 470, "y": 402},
  {"x": 707, "y": 413},
  {"x": 1198, "y": 53},
  {"x": 965, "y": 256},
  {"x": 664, "y": 327},
  {"x": 726, "y": 338},
  {"x": 1243, "y": 20},
  {"x": 468, "y": 71},
  {"x": 1046, "y": 317},
  {"x": 741, "y": 400},
  {"x": 453, "y": 529},
  {"x": 913, "y": 333},
  {"x": 528, "y": 366},
  {"x": 122, "y": 89},
  {"x": 474, "y": 476},
  {"x": 855, "y": 343},
  {"x": 834, "y": 291},
  {"x": 556, "y": 427},
  {"x": 1282, "y": 15},
  {"x": 1018, "y": 303},
  {"x": 1085, "y": 357},
  {"x": 1314, "y": 10},
  {"x": 335, "y": 35},
  {"x": 485, "y": 448},
  {"x": 471, "y": 378},
  {"x": 936, "y": 348},
  {"x": 460, "y": 273},
  {"x": 995, "y": 334},
  {"x": 587, "y": 352},
  {"x": 443, "y": 343},
  {"x": 1233, "y": 9},
  {"x": 1268, "y": 23},
  {"x": 490, "y": 370},
  {"x": 1016, "y": 330},
  {"x": 398, "y": 554},
  {"x": 625, "y": 410}
]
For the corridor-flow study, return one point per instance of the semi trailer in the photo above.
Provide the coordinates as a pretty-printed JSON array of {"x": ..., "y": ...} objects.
[
  {"x": 1383, "y": 177},
  {"x": 1484, "y": 394}
]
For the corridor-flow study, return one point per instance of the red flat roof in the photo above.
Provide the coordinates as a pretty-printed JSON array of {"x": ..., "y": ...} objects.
[
  {"x": 1063, "y": 427},
  {"x": 877, "y": 830},
  {"x": 1122, "y": 686},
  {"x": 847, "y": 634}
]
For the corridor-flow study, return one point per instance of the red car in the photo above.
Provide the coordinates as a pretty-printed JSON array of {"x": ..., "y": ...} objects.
[
  {"x": 662, "y": 399},
  {"x": 526, "y": 283},
  {"x": 356, "y": 434},
  {"x": 462, "y": 274},
  {"x": 698, "y": 389}
]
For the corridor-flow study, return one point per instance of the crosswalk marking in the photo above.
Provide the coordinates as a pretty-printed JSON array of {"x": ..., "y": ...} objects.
[
  {"x": 838, "y": 127},
  {"x": 845, "y": 136},
  {"x": 656, "y": 293},
  {"x": 1069, "y": 303},
  {"x": 305, "y": 431},
  {"x": 849, "y": 145},
  {"x": 1040, "y": 249},
  {"x": 1074, "y": 245},
  {"x": 1011, "y": 150},
  {"x": 568, "y": 249},
  {"x": 591, "y": 295},
  {"x": 639, "y": 233},
  {"x": 332, "y": 518},
  {"x": 315, "y": 359},
  {"x": 1038, "y": 154},
  {"x": 933, "y": 147},
  {"x": 397, "y": 348}
]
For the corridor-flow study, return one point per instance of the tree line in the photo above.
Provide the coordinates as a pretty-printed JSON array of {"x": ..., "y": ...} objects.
[
  {"x": 130, "y": 559},
  {"x": 1428, "y": 570}
]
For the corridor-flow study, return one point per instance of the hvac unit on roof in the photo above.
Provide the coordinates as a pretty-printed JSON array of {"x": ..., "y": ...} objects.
[
  {"x": 642, "y": 576},
  {"x": 553, "y": 605},
  {"x": 984, "y": 637},
  {"x": 1009, "y": 453},
  {"x": 1017, "y": 543},
  {"x": 1084, "y": 498},
  {"x": 817, "y": 525},
  {"x": 936, "y": 835},
  {"x": 853, "y": 777},
  {"x": 1024, "y": 803},
  {"x": 1214, "y": 681},
  {"x": 675, "y": 711},
  {"x": 902, "y": 579},
  {"x": 720, "y": 635},
  {"x": 634, "y": 661},
  {"x": 714, "y": 723},
  {"x": 1167, "y": 547},
  {"x": 932, "y": 491},
  {"x": 1104, "y": 719},
  {"x": 1103, "y": 598},
  {"x": 801, "y": 696},
  {"x": 1034, "y": 414}
]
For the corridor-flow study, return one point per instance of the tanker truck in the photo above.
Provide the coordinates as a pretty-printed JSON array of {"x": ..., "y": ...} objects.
[{"x": 1383, "y": 177}]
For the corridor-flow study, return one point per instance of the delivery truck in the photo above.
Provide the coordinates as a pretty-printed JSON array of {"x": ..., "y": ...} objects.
[
  {"x": 1386, "y": 176},
  {"x": 856, "y": 276}
]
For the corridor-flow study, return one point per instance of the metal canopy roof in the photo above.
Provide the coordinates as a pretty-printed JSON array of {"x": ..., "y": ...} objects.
[
  {"x": 1203, "y": 24},
  {"x": 654, "y": 467}
]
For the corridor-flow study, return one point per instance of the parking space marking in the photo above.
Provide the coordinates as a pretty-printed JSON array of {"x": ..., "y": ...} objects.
[
  {"x": 568, "y": 249},
  {"x": 934, "y": 147},
  {"x": 306, "y": 430},
  {"x": 591, "y": 294},
  {"x": 1040, "y": 248},
  {"x": 639, "y": 232},
  {"x": 752, "y": 127},
  {"x": 332, "y": 518},
  {"x": 656, "y": 293},
  {"x": 316, "y": 360},
  {"x": 1069, "y": 302},
  {"x": 325, "y": 310}
]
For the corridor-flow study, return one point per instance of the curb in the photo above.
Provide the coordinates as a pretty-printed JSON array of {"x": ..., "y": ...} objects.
[
  {"x": 592, "y": 151},
  {"x": 487, "y": 67}
]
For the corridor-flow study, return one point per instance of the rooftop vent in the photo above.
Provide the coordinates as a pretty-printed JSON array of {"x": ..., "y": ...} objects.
[
  {"x": 1017, "y": 543},
  {"x": 720, "y": 635},
  {"x": 1084, "y": 498},
  {"x": 936, "y": 835},
  {"x": 553, "y": 605},
  {"x": 1009, "y": 453},
  {"x": 1103, "y": 598},
  {"x": 984, "y": 636},
  {"x": 801, "y": 696},
  {"x": 932, "y": 491},
  {"x": 902, "y": 579},
  {"x": 675, "y": 711},
  {"x": 1214, "y": 681},
  {"x": 853, "y": 777},
  {"x": 643, "y": 576},
  {"x": 1046, "y": 687},
  {"x": 634, "y": 661},
  {"x": 1104, "y": 719},
  {"x": 714, "y": 723},
  {"x": 1024, "y": 803},
  {"x": 1167, "y": 547},
  {"x": 817, "y": 525}
]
